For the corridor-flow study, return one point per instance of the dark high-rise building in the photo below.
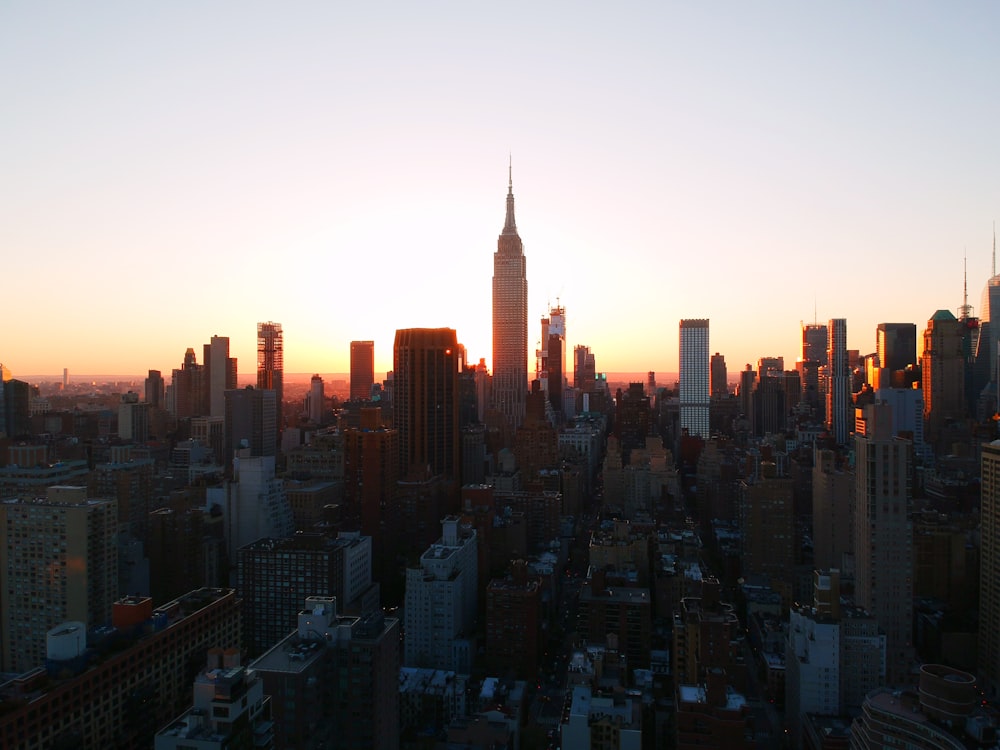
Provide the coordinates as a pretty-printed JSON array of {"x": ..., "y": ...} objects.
[
  {"x": 632, "y": 419},
  {"x": 513, "y": 623},
  {"x": 718, "y": 375},
  {"x": 251, "y": 422},
  {"x": 425, "y": 401},
  {"x": 155, "y": 389},
  {"x": 271, "y": 367},
  {"x": 896, "y": 345},
  {"x": 510, "y": 321},
  {"x": 188, "y": 388},
  {"x": 362, "y": 369},
  {"x": 989, "y": 571},
  {"x": 584, "y": 368},
  {"x": 16, "y": 407},
  {"x": 814, "y": 343}
]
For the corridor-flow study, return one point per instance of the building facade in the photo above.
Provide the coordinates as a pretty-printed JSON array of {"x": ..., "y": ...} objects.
[
  {"x": 425, "y": 400},
  {"x": 362, "y": 369},
  {"x": 883, "y": 536},
  {"x": 838, "y": 390},
  {"x": 695, "y": 386},
  {"x": 58, "y": 562}
]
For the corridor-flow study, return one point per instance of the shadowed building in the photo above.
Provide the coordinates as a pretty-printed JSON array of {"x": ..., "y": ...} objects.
[
  {"x": 362, "y": 369},
  {"x": 425, "y": 402},
  {"x": 510, "y": 321},
  {"x": 271, "y": 368}
]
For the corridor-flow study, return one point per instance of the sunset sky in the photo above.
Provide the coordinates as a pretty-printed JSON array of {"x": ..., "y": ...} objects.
[{"x": 170, "y": 171}]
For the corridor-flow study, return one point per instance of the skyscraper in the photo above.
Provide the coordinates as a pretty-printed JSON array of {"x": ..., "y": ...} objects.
[
  {"x": 362, "y": 369},
  {"x": 425, "y": 400},
  {"x": 315, "y": 399},
  {"x": 838, "y": 394},
  {"x": 270, "y": 366},
  {"x": 883, "y": 534},
  {"x": 942, "y": 370},
  {"x": 896, "y": 345},
  {"x": 718, "y": 375},
  {"x": 251, "y": 422},
  {"x": 555, "y": 350},
  {"x": 155, "y": 389},
  {"x": 220, "y": 374},
  {"x": 695, "y": 393},
  {"x": 510, "y": 320},
  {"x": 584, "y": 368},
  {"x": 989, "y": 571}
]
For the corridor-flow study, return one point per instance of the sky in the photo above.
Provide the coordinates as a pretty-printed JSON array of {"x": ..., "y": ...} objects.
[{"x": 173, "y": 171}]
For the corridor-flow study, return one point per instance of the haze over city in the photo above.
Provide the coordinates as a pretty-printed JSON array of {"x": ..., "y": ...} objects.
[{"x": 176, "y": 172}]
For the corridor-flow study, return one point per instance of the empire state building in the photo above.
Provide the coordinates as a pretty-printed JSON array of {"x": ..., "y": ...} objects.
[{"x": 510, "y": 320}]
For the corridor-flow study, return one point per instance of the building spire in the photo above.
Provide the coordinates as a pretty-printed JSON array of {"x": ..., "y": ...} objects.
[
  {"x": 509, "y": 226},
  {"x": 994, "y": 248},
  {"x": 965, "y": 311}
]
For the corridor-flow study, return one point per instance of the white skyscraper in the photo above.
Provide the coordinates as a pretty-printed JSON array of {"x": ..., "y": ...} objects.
[
  {"x": 695, "y": 382},
  {"x": 441, "y": 601}
]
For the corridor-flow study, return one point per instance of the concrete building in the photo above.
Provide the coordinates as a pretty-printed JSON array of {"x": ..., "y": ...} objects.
[
  {"x": 989, "y": 571},
  {"x": 718, "y": 376},
  {"x": 942, "y": 370},
  {"x": 251, "y": 423},
  {"x": 695, "y": 385},
  {"x": 600, "y": 721},
  {"x": 514, "y": 623},
  {"x": 883, "y": 536},
  {"x": 833, "y": 487},
  {"x": 117, "y": 697},
  {"x": 229, "y": 709},
  {"x": 58, "y": 563},
  {"x": 253, "y": 503},
  {"x": 315, "y": 400},
  {"x": 274, "y": 576},
  {"x": 220, "y": 374},
  {"x": 941, "y": 713},
  {"x": 335, "y": 680},
  {"x": 441, "y": 601}
]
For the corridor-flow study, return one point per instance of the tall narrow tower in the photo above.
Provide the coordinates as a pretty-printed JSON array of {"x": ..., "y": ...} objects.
[
  {"x": 362, "y": 369},
  {"x": 883, "y": 534},
  {"x": 989, "y": 572},
  {"x": 270, "y": 365},
  {"x": 838, "y": 393},
  {"x": 510, "y": 320},
  {"x": 695, "y": 382}
]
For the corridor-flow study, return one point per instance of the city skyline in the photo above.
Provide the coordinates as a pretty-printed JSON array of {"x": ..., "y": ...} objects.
[{"x": 171, "y": 175}]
